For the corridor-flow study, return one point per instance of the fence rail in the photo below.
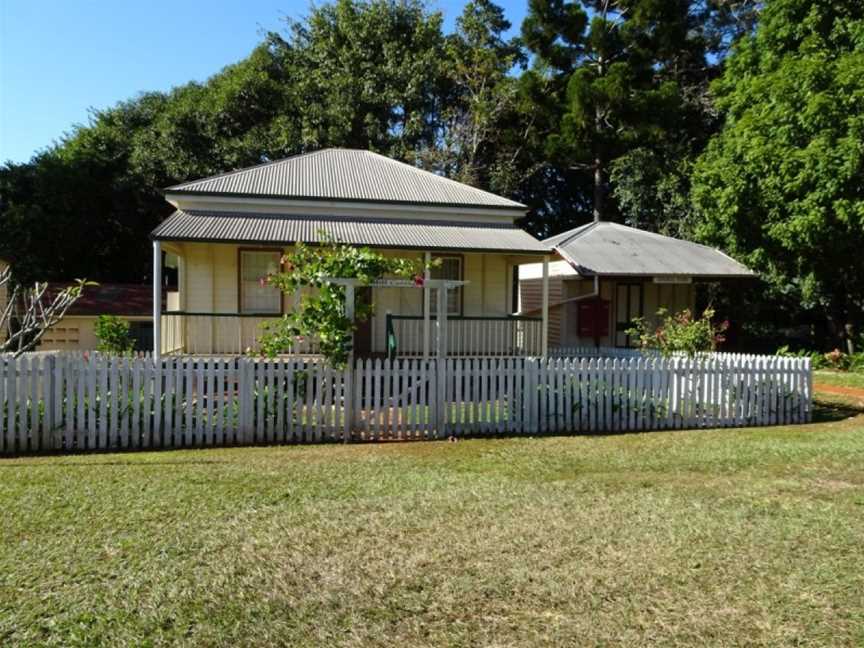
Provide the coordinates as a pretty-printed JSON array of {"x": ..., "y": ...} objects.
[{"x": 76, "y": 402}]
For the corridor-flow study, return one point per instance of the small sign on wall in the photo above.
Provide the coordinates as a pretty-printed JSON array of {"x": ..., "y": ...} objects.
[{"x": 672, "y": 279}]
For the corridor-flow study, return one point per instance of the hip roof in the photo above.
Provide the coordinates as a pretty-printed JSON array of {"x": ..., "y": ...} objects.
[{"x": 345, "y": 175}]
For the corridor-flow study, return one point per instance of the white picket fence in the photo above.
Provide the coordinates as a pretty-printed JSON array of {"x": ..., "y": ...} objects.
[{"x": 77, "y": 402}]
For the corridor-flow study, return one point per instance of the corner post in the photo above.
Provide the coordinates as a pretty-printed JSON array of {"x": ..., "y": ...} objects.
[
  {"x": 544, "y": 344},
  {"x": 157, "y": 299}
]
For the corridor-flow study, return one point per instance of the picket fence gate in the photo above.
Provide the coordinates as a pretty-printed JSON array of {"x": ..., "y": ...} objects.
[{"x": 80, "y": 402}]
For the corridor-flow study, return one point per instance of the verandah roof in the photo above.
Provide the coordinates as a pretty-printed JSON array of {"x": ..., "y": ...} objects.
[{"x": 269, "y": 229}]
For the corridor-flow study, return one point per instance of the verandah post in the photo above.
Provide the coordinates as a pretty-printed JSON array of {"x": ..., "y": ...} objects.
[
  {"x": 348, "y": 391},
  {"x": 426, "y": 304},
  {"x": 544, "y": 344},
  {"x": 157, "y": 300}
]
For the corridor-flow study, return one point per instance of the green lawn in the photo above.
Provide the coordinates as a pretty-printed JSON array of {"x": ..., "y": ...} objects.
[
  {"x": 727, "y": 537},
  {"x": 839, "y": 378}
]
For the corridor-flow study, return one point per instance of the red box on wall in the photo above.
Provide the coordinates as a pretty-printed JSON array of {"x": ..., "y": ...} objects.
[{"x": 593, "y": 318}]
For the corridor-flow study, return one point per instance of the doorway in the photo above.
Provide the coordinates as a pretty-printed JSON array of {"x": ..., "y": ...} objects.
[
  {"x": 629, "y": 299},
  {"x": 363, "y": 334}
]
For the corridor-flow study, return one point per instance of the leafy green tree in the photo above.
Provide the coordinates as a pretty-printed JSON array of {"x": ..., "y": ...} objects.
[
  {"x": 781, "y": 185},
  {"x": 627, "y": 74},
  {"x": 366, "y": 73},
  {"x": 481, "y": 98}
]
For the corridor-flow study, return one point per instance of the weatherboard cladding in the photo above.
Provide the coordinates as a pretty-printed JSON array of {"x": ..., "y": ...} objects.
[
  {"x": 223, "y": 227},
  {"x": 345, "y": 174},
  {"x": 612, "y": 249}
]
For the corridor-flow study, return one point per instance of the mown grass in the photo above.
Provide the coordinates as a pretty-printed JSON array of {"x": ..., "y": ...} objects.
[
  {"x": 718, "y": 537},
  {"x": 839, "y": 378}
]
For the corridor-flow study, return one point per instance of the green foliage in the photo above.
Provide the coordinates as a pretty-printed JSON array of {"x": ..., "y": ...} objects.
[
  {"x": 680, "y": 333},
  {"x": 836, "y": 359},
  {"x": 113, "y": 335},
  {"x": 321, "y": 312},
  {"x": 780, "y": 187},
  {"x": 627, "y": 75}
]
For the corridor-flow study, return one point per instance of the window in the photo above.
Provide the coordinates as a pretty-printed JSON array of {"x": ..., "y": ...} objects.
[
  {"x": 255, "y": 296},
  {"x": 450, "y": 268}
]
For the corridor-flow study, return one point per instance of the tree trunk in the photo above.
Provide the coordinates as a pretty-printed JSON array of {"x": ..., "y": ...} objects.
[
  {"x": 599, "y": 190},
  {"x": 599, "y": 161}
]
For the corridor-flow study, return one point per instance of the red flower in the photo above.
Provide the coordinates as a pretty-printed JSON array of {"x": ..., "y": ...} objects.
[{"x": 419, "y": 280}]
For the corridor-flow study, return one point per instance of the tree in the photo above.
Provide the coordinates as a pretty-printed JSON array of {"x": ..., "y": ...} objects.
[
  {"x": 780, "y": 186},
  {"x": 628, "y": 74},
  {"x": 482, "y": 98},
  {"x": 29, "y": 312},
  {"x": 366, "y": 74}
]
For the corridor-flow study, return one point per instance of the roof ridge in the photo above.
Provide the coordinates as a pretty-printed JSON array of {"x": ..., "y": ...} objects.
[{"x": 576, "y": 233}]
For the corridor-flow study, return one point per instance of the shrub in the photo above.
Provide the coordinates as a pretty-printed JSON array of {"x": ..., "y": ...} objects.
[
  {"x": 835, "y": 359},
  {"x": 113, "y": 335},
  {"x": 680, "y": 333}
]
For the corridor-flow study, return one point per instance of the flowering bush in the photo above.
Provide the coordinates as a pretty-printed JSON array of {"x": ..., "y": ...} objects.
[
  {"x": 321, "y": 313},
  {"x": 680, "y": 332}
]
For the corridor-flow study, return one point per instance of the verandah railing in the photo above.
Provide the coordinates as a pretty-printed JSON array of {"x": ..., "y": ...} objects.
[
  {"x": 67, "y": 402},
  {"x": 217, "y": 333},
  {"x": 512, "y": 335}
]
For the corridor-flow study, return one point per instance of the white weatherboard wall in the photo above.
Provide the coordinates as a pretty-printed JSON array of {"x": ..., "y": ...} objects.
[{"x": 77, "y": 402}]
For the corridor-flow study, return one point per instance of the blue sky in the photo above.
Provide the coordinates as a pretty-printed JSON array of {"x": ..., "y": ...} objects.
[{"x": 58, "y": 58}]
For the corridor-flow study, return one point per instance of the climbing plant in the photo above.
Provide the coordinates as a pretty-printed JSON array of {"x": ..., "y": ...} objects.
[{"x": 320, "y": 315}]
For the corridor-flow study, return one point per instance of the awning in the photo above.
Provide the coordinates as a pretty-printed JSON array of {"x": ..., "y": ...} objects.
[{"x": 270, "y": 229}]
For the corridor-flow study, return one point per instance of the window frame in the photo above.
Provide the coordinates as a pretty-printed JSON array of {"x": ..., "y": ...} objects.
[
  {"x": 432, "y": 303},
  {"x": 240, "y": 250}
]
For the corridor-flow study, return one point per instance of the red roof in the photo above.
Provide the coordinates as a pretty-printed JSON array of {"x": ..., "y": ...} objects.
[{"x": 130, "y": 300}]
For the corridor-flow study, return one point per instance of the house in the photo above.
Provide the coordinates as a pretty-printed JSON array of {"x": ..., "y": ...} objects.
[
  {"x": 604, "y": 275},
  {"x": 76, "y": 331},
  {"x": 230, "y": 230}
]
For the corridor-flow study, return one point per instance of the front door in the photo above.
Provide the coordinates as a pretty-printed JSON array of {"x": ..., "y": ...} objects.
[
  {"x": 628, "y": 306},
  {"x": 363, "y": 334}
]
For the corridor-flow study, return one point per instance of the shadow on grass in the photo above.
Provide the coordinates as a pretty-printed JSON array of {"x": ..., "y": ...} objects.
[
  {"x": 90, "y": 464},
  {"x": 831, "y": 410}
]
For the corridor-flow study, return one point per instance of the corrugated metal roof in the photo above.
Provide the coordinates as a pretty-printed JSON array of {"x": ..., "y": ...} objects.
[
  {"x": 612, "y": 249},
  {"x": 223, "y": 227},
  {"x": 345, "y": 174}
]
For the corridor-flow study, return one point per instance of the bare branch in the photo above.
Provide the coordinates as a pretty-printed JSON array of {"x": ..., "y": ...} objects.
[{"x": 29, "y": 313}]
